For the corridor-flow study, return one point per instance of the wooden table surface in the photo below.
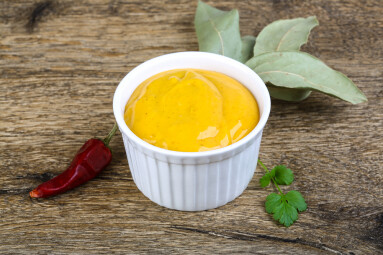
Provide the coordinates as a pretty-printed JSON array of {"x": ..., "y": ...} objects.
[{"x": 60, "y": 62}]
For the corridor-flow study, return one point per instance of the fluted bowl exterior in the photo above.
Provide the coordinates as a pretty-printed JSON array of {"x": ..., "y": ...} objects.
[{"x": 192, "y": 181}]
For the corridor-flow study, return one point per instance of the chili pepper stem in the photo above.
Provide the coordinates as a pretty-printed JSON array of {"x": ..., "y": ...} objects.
[
  {"x": 34, "y": 193},
  {"x": 110, "y": 135}
]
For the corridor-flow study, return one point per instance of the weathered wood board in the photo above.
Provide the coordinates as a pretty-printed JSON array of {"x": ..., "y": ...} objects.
[{"x": 60, "y": 62}]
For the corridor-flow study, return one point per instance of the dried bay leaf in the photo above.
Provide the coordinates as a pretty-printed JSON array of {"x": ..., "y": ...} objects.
[
  {"x": 299, "y": 70},
  {"x": 287, "y": 94},
  {"x": 284, "y": 35},
  {"x": 248, "y": 43},
  {"x": 218, "y": 31}
]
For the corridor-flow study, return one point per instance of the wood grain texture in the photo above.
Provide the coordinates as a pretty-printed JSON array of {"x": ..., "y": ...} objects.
[{"x": 60, "y": 62}]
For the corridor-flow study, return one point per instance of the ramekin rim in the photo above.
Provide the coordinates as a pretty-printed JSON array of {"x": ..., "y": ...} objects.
[{"x": 180, "y": 154}]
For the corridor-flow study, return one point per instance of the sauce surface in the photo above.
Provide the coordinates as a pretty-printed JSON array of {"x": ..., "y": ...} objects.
[{"x": 191, "y": 110}]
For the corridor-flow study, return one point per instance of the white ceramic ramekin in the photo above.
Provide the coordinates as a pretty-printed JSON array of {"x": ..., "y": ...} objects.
[{"x": 192, "y": 181}]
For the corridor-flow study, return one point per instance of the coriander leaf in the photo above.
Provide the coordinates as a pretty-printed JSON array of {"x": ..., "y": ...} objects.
[
  {"x": 295, "y": 199},
  {"x": 282, "y": 210},
  {"x": 283, "y": 207},
  {"x": 218, "y": 31},
  {"x": 284, "y": 35},
  {"x": 248, "y": 42},
  {"x": 283, "y": 175},
  {"x": 286, "y": 214},
  {"x": 299, "y": 70},
  {"x": 272, "y": 202},
  {"x": 265, "y": 180}
]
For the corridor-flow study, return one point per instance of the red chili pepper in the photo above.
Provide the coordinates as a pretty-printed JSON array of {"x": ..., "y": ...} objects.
[{"x": 89, "y": 161}]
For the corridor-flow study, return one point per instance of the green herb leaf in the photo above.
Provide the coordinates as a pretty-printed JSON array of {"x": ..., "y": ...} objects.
[
  {"x": 296, "y": 200},
  {"x": 272, "y": 202},
  {"x": 284, "y": 35},
  {"x": 282, "y": 211},
  {"x": 248, "y": 43},
  {"x": 265, "y": 180},
  {"x": 284, "y": 207},
  {"x": 300, "y": 70},
  {"x": 286, "y": 214},
  {"x": 283, "y": 175},
  {"x": 218, "y": 31}
]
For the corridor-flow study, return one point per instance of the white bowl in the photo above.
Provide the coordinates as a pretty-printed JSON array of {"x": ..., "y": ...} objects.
[{"x": 192, "y": 181}]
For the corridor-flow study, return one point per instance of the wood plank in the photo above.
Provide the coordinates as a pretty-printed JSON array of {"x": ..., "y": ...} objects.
[{"x": 60, "y": 62}]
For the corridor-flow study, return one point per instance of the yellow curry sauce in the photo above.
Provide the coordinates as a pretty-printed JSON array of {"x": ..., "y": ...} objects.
[{"x": 191, "y": 110}]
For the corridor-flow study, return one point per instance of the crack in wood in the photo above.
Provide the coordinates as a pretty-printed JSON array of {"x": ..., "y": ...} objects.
[
  {"x": 40, "y": 177},
  {"x": 254, "y": 237},
  {"x": 374, "y": 234},
  {"x": 15, "y": 191},
  {"x": 38, "y": 11}
]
